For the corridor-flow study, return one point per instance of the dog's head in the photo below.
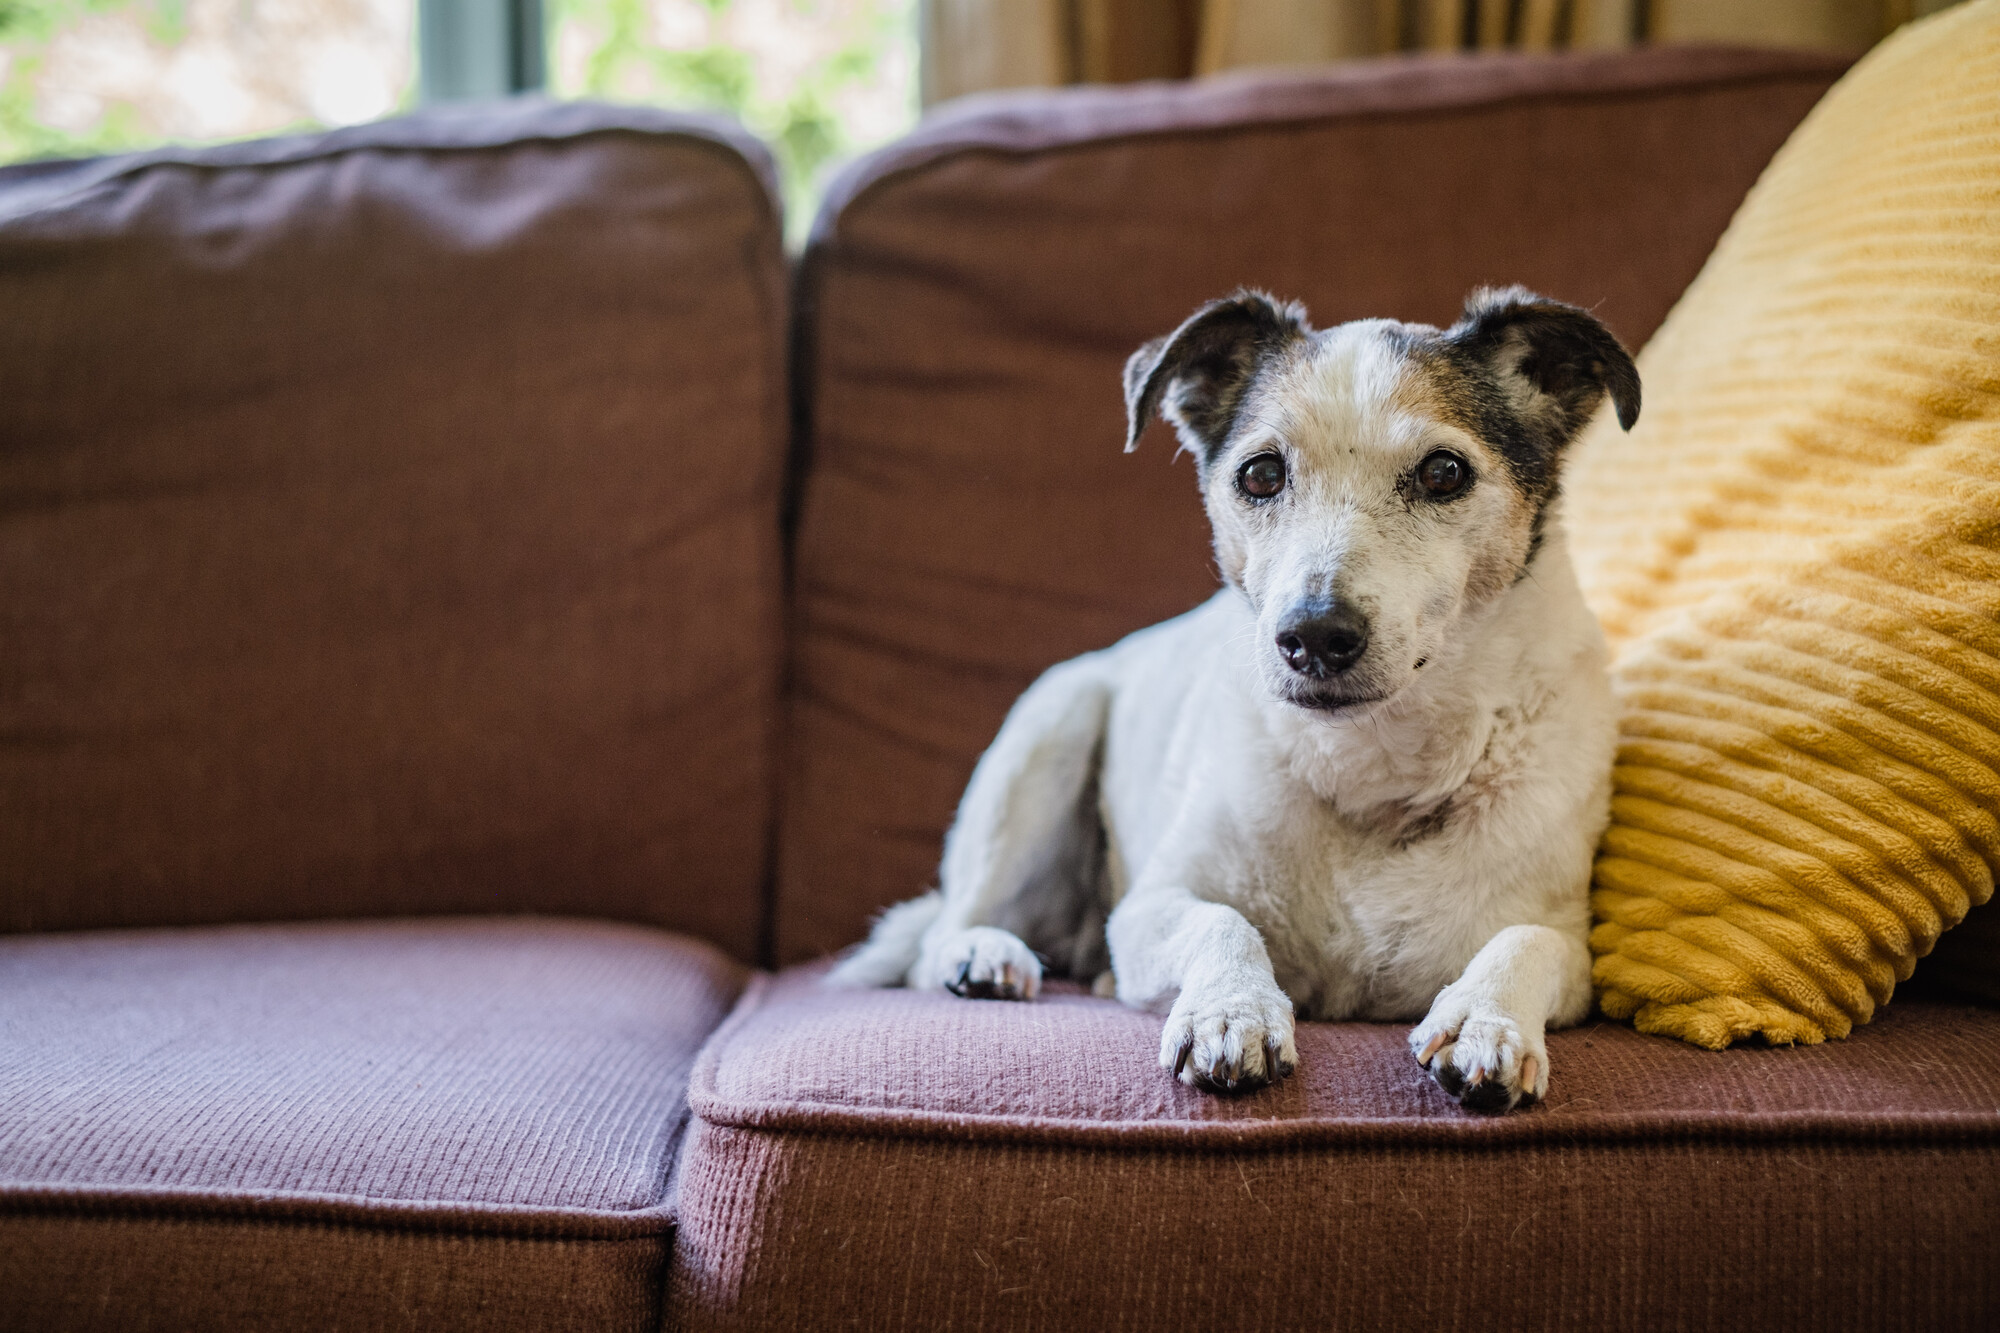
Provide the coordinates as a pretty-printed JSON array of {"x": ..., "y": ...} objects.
[{"x": 1371, "y": 485}]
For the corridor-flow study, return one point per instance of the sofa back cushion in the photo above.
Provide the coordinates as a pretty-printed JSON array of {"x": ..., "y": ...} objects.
[
  {"x": 388, "y": 524},
  {"x": 971, "y": 294}
]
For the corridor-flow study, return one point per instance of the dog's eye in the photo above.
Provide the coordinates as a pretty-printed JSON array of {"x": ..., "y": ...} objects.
[
  {"x": 1443, "y": 474},
  {"x": 1262, "y": 477}
]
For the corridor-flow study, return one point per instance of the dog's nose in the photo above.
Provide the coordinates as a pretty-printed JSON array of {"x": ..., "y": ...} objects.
[{"x": 1323, "y": 637}]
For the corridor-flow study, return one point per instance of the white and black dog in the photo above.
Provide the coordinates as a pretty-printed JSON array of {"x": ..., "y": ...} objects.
[{"x": 1365, "y": 779}]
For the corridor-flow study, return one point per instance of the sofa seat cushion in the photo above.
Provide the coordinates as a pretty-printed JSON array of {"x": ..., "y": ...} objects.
[
  {"x": 414, "y": 1123},
  {"x": 980, "y": 1164}
]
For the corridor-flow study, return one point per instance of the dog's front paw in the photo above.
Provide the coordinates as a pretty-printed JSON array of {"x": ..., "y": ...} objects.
[
  {"x": 1481, "y": 1055},
  {"x": 1229, "y": 1041},
  {"x": 982, "y": 963}
]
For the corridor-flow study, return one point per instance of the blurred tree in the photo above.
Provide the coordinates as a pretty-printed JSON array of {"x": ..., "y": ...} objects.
[
  {"x": 26, "y": 27},
  {"x": 91, "y": 76},
  {"x": 816, "y": 79}
]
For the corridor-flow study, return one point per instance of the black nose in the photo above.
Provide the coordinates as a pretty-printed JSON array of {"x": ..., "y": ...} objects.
[{"x": 1323, "y": 637}]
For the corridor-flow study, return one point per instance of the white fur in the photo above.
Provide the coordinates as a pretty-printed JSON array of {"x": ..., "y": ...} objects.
[{"x": 1427, "y": 850}]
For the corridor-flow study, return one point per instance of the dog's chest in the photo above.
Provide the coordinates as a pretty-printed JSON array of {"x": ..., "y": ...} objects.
[
  {"x": 1368, "y": 912},
  {"x": 1340, "y": 906}
]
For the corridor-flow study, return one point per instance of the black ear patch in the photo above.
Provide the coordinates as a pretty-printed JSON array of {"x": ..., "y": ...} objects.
[
  {"x": 1541, "y": 369},
  {"x": 1196, "y": 376},
  {"x": 1555, "y": 362}
]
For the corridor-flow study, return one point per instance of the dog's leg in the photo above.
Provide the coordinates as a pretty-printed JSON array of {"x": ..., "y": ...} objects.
[
  {"x": 1482, "y": 1040},
  {"x": 1017, "y": 834},
  {"x": 1230, "y": 1028}
]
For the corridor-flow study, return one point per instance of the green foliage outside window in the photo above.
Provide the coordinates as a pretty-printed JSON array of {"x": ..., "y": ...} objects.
[
  {"x": 26, "y": 27},
  {"x": 806, "y": 114},
  {"x": 94, "y": 76},
  {"x": 816, "y": 79}
]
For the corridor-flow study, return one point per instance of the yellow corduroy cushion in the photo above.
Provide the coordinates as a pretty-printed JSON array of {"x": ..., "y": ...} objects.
[{"x": 1796, "y": 556}]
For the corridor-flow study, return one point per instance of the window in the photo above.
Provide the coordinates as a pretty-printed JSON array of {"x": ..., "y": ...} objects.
[
  {"x": 817, "y": 79},
  {"x": 92, "y": 76}
]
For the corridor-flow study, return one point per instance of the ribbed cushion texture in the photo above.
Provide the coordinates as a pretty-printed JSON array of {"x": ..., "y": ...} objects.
[
  {"x": 1796, "y": 556},
  {"x": 510, "y": 1078},
  {"x": 354, "y": 493},
  {"x": 989, "y": 1165},
  {"x": 1076, "y": 1068},
  {"x": 970, "y": 296}
]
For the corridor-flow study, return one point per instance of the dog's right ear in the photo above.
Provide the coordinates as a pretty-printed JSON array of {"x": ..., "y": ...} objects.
[{"x": 1195, "y": 376}]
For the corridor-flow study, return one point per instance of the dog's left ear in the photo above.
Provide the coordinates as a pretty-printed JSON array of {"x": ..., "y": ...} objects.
[
  {"x": 1555, "y": 362},
  {"x": 1195, "y": 377}
]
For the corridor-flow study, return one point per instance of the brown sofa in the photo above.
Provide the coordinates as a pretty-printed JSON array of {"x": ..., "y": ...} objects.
[{"x": 446, "y": 546}]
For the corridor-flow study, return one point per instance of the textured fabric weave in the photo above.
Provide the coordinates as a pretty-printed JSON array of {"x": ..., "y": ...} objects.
[
  {"x": 1075, "y": 1068},
  {"x": 520, "y": 1063},
  {"x": 1797, "y": 558},
  {"x": 971, "y": 296},
  {"x": 796, "y": 1231},
  {"x": 389, "y": 524},
  {"x": 62, "y": 1271},
  {"x": 895, "y": 1160},
  {"x": 411, "y": 1124}
]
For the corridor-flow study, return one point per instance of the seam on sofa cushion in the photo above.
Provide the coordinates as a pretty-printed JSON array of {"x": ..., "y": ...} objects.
[
  {"x": 329, "y": 1209},
  {"x": 474, "y": 128},
  {"x": 1219, "y": 107},
  {"x": 810, "y": 1117}
]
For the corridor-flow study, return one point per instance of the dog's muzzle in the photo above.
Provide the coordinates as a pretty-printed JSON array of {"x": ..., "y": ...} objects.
[{"x": 1323, "y": 637}]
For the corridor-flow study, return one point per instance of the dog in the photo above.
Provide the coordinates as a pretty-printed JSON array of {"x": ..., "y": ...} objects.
[{"x": 1366, "y": 779}]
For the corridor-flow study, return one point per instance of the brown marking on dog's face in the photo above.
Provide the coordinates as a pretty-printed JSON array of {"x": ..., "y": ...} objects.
[
  {"x": 1371, "y": 485},
  {"x": 1437, "y": 389}
]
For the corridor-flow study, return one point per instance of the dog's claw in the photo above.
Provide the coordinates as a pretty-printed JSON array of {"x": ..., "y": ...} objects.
[
  {"x": 1180, "y": 1061},
  {"x": 1482, "y": 1057},
  {"x": 1274, "y": 1068}
]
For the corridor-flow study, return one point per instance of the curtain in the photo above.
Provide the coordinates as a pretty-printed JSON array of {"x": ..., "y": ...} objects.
[{"x": 970, "y": 45}]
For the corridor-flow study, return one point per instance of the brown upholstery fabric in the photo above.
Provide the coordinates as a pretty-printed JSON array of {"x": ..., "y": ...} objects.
[
  {"x": 1077, "y": 1069},
  {"x": 388, "y": 524},
  {"x": 978, "y": 1165},
  {"x": 420, "y": 1123},
  {"x": 972, "y": 293},
  {"x": 68, "y": 1271}
]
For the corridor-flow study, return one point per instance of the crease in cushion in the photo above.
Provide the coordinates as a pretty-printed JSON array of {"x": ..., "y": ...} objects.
[
  {"x": 521, "y": 1075},
  {"x": 1796, "y": 558},
  {"x": 1075, "y": 1069},
  {"x": 354, "y": 495},
  {"x": 972, "y": 293}
]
